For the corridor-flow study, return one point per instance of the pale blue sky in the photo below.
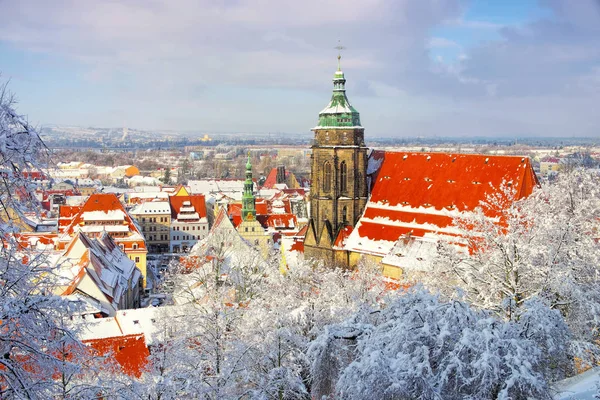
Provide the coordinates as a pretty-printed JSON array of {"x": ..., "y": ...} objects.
[{"x": 509, "y": 68}]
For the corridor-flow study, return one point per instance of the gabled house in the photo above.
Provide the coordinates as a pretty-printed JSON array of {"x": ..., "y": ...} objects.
[
  {"x": 104, "y": 213},
  {"x": 96, "y": 271},
  {"x": 189, "y": 222}
]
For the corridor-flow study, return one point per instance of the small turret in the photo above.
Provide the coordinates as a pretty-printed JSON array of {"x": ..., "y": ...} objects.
[{"x": 248, "y": 201}]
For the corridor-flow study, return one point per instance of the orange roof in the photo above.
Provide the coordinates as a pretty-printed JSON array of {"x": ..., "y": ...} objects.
[
  {"x": 197, "y": 201},
  {"x": 342, "y": 236},
  {"x": 129, "y": 351},
  {"x": 417, "y": 193},
  {"x": 26, "y": 239},
  {"x": 278, "y": 221},
  {"x": 104, "y": 202},
  {"x": 261, "y": 206},
  {"x": 271, "y": 179},
  {"x": 234, "y": 212},
  {"x": 440, "y": 180}
]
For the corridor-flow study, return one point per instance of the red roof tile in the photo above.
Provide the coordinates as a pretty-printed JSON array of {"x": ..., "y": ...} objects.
[
  {"x": 415, "y": 193},
  {"x": 129, "y": 351},
  {"x": 197, "y": 200},
  {"x": 278, "y": 221},
  {"x": 271, "y": 179},
  {"x": 342, "y": 236}
]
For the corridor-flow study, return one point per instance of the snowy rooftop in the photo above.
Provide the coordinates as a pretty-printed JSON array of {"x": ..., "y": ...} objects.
[
  {"x": 152, "y": 207},
  {"x": 112, "y": 215}
]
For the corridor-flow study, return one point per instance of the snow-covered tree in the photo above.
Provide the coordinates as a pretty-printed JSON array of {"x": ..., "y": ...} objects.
[
  {"x": 291, "y": 311},
  {"x": 543, "y": 246},
  {"x": 421, "y": 348},
  {"x": 38, "y": 351}
]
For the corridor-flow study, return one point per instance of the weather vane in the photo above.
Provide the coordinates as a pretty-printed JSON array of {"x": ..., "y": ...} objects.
[{"x": 339, "y": 48}]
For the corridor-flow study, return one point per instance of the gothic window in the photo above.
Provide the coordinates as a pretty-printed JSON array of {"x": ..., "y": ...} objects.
[
  {"x": 343, "y": 177},
  {"x": 326, "y": 177}
]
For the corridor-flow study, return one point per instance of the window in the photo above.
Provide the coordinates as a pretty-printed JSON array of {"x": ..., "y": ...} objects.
[
  {"x": 122, "y": 246},
  {"x": 344, "y": 214},
  {"x": 137, "y": 259},
  {"x": 246, "y": 229},
  {"x": 135, "y": 246},
  {"x": 256, "y": 242},
  {"x": 343, "y": 177},
  {"x": 143, "y": 219},
  {"x": 326, "y": 177}
]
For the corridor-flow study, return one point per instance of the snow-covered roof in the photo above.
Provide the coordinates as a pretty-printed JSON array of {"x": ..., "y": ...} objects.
[
  {"x": 152, "y": 207},
  {"x": 109, "y": 215},
  {"x": 418, "y": 195},
  {"x": 206, "y": 186}
]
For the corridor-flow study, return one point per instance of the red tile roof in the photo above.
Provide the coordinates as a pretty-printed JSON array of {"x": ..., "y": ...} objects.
[
  {"x": 261, "y": 206},
  {"x": 278, "y": 221},
  {"x": 342, "y": 236},
  {"x": 197, "y": 201},
  {"x": 439, "y": 179},
  {"x": 415, "y": 193},
  {"x": 102, "y": 202},
  {"x": 271, "y": 179},
  {"x": 129, "y": 351}
]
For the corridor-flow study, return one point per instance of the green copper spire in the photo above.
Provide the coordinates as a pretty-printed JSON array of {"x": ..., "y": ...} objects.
[
  {"x": 248, "y": 202},
  {"x": 339, "y": 112}
]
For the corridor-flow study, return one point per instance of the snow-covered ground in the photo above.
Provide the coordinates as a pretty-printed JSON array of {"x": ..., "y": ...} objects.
[{"x": 580, "y": 387}]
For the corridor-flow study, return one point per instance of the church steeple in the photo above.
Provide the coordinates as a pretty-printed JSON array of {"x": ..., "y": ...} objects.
[
  {"x": 338, "y": 189},
  {"x": 248, "y": 201},
  {"x": 339, "y": 112}
]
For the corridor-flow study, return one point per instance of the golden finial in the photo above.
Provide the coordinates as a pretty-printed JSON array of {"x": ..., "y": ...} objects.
[{"x": 339, "y": 48}]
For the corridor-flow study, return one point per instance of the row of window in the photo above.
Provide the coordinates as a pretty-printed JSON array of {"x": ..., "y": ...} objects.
[
  {"x": 153, "y": 219},
  {"x": 153, "y": 228},
  {"x": 154, "y": 237},
  {"x": 327, "y": 177},
  {"x": 186, "y": 237},
  {"x": 187, "y": 228},
  {"x": 134, "y": 246}
]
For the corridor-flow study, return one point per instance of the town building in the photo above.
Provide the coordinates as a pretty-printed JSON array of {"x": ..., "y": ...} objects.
[
  {"x": 104, "y": 213},
  {"x": 389, "y": 207},
  {"x": 339, "y": 189},
  {"x": 250, "y": 228},
  {"x": 154, "y": 218},
  {"x": 189, "y": 222},
  {"x": 98, "y": 273}
]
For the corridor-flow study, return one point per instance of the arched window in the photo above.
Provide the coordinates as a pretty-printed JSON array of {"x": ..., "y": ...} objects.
[
  {"x": 343, "y": 177},
  {"x": 345, "y": 215},
  {"x": 326, "y": 177}
]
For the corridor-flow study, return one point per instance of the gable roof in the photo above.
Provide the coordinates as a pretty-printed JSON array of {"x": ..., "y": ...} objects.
[
  {"x": 106, "y": 207},
  {"x": 197, "y": 201},
  {"x": 103, "y": 261},
  {"x": 271, "y": 179},
  {"x": 418, "y": 194}
]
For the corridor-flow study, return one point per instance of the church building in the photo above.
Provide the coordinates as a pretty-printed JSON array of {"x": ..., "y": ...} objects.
[
  {"x": 339, "y": 191},
  {"x": 393, "y": 207}
]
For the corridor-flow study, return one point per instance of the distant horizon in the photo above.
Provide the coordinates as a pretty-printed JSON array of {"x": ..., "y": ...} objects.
[{"x": 467, "y": 67}]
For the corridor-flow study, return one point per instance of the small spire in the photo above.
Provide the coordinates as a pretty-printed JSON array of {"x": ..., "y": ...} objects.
[{"x": 339, "y": 48}]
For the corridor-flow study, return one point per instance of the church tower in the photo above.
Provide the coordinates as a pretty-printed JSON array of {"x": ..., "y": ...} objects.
[
  {"x": 338, "y": 192},
  {"x": 248, "y": 201}
]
